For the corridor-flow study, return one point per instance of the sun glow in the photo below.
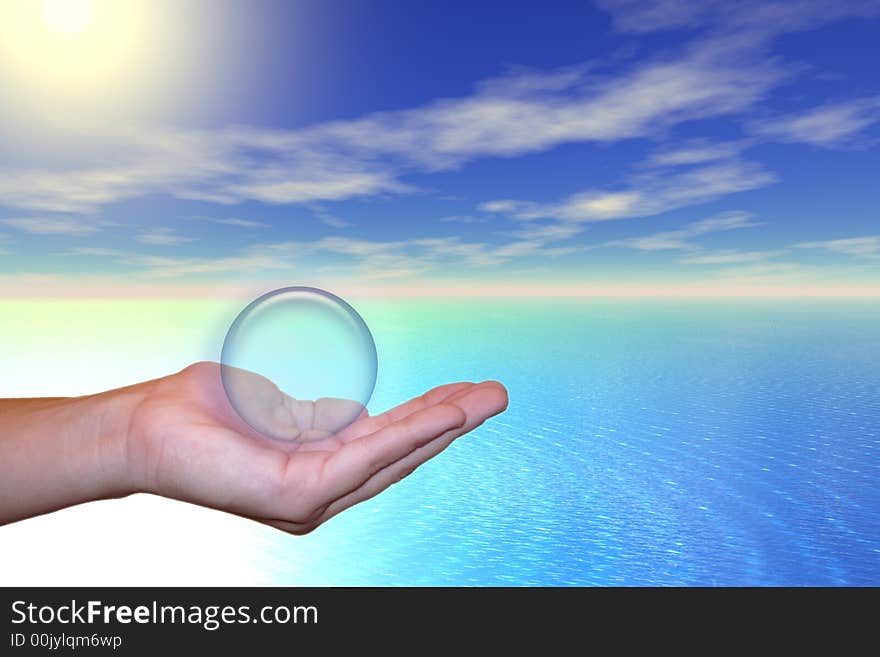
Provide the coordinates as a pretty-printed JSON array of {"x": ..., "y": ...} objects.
[
  {"x": 67, "y": 16},
  {"x": 67, "y": 54}
]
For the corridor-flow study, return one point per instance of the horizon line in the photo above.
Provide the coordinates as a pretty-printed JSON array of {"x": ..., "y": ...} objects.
[{"x": 456, "y": 291}]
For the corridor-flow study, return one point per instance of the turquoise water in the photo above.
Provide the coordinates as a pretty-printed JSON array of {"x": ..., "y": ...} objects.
[
  {"x": 646, "y": 443},
  {"x": 651, "y": 442}
]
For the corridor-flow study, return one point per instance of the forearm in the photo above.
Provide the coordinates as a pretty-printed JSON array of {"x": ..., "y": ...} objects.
[{"x": 59, "y": 452}]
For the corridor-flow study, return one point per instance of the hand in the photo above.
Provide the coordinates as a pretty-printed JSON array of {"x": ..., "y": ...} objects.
[{"x": 185, "y": 441}]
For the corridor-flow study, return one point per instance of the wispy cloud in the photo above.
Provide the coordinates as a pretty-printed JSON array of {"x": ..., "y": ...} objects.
[
  {"x": 231, "y": 221},
  {"x": 463, "y": 219},
  {"x": 94, "y": 251},
  {"x": 696, "y": 152},
  {"x": 728, "y": 257},
  {"x": 51, "y": 225},
  {"x": 832, "y": 124},
  {"x": 548, "y": 232},
  {"x": 398, "y": 259},
  {"x": 328, "y": 218},
  {"x": 648, "y": 194},
  {"x": 161, "y": 236},
  {"x": 766, "y": 273},
  {"x": 866, "y": 247},
  {"x": 765, "y": 16},
  {"x": 370, "y": 258},
  {"x": 681, "y": 239},
  {"x": 280, "y": 185},
  {"x": 334, "y": 221},
  {"x": 505, "y": 206},
  {"x": 523, "y": 112},
  {"x": 221, "y": 166}
]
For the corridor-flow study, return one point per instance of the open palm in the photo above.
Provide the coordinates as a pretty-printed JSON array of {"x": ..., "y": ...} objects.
[{"x": 186, "y": 442}]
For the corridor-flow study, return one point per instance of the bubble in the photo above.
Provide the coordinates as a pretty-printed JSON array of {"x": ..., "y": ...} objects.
[{"x": 299, "y": 363}]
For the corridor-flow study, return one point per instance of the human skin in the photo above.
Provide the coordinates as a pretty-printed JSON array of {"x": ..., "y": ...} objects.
[{"x": 178, "y": 437}]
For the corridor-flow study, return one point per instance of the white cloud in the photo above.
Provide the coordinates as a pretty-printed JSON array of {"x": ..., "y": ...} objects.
[
  {"x": 648, "y": 194},
  {"x": 853, "y": 246},
  {"x": 173, "y": 267},
  {"x": 145, "y": 161},
  {"x": 521, "y": 113},
  {"x": 161, "y": 267},
  {"x": 232, "y": 221},
  {"x": 328, "y": 218},
  {"x": 527, "y": 248},
  {"x": 375, "y": 259},
  {"x": 681, "y": 239},
  {"x": 769, "y": 273},
  {"x": 463, "y": 219},
  {"x": 724, "y": 221},
  {"x": 510, "y": 118},
  {"x": 279, "y": 187},
  {"x": 161, "y": 236},
  {"x": 766, "y": 16},
  {"x": 831, "y": 124},
  {"x": 728, "y": 257},
  {"x": 504, "y": 206},
  {"x": 50, "y": 225},
  {"x": 696, "y": 152},
  {"x": 94, "y": 251},
  {"x": 334, "y": 221},
  {"x": 547, "y": 233}
]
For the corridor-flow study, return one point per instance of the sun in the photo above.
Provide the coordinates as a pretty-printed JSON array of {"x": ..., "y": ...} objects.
[
  {"x": 65, "y": 55},
  {"x": 82, "y": 63},
  {"x": 67, "y": 16}
]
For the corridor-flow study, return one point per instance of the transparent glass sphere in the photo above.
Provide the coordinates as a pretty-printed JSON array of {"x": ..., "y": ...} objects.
[{"x": 299, "y": 363}]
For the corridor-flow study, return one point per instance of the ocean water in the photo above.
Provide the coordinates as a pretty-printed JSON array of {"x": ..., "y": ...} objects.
[{"x": 647, "y": 442}]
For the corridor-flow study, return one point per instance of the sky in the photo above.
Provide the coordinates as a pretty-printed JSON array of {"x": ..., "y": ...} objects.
[{"x": 620, "y": 147}]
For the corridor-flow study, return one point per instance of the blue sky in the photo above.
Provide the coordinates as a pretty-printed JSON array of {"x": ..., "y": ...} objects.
[{"x": 479, "y": 146}]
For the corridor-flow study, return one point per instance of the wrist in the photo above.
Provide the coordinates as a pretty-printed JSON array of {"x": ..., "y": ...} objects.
[
  {"x": 105, "y": 421},
  {"x": 59, "y": 452}
]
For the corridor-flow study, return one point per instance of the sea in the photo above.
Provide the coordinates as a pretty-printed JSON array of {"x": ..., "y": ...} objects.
[{"x": 647, "y": 442}]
